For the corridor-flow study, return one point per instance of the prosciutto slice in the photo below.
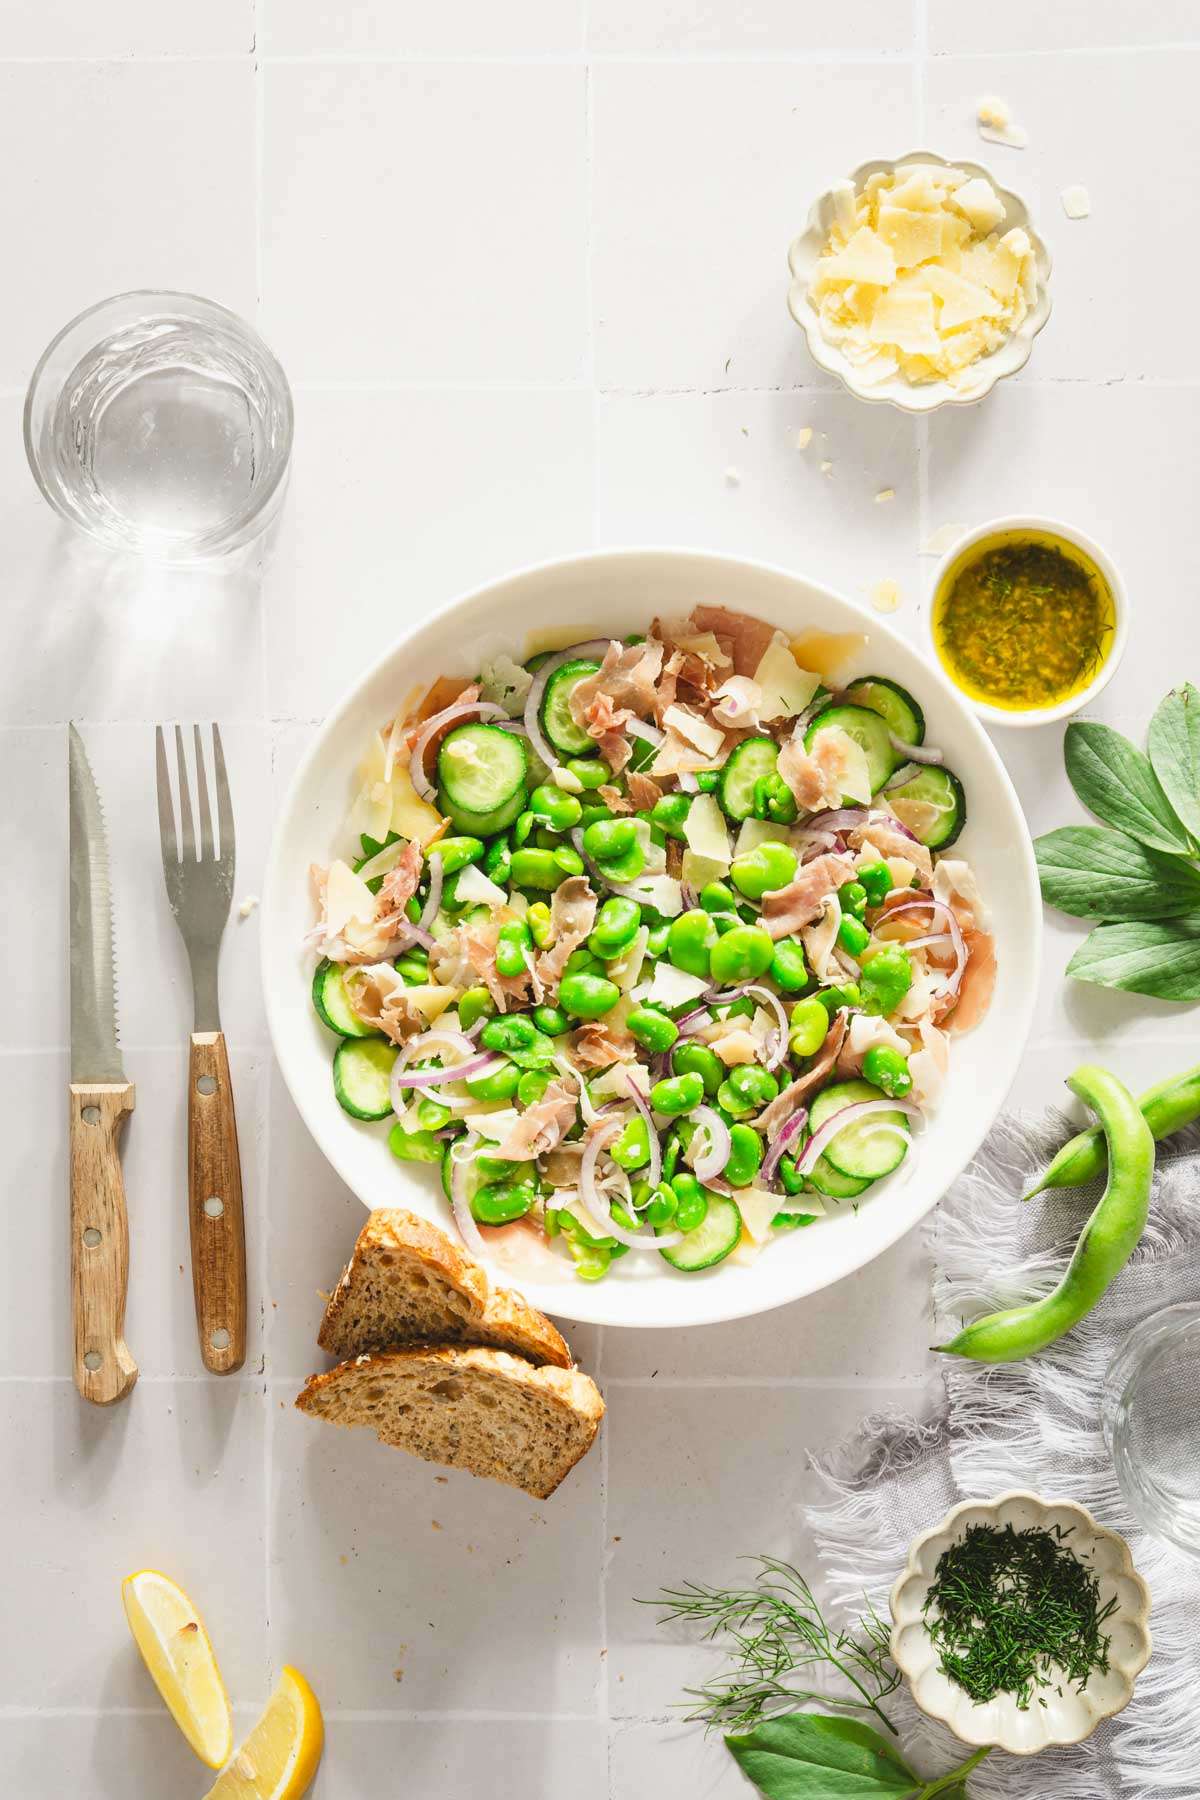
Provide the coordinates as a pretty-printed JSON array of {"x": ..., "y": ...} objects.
[
  {"x": 774, "y": 1117},
  {"x": 788, "y": 909}
]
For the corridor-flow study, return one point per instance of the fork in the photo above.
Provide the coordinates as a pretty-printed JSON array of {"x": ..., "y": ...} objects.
[{"x": 200, "y": 888}]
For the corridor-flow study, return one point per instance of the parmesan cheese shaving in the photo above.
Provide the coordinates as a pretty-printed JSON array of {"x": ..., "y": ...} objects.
[{"x": 1077, "y": 202}]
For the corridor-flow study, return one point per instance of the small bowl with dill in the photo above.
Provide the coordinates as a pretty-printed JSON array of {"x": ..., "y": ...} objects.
[
  {"x": 1020, "y": 1622},
  {"x": 1028, "y": 620}
]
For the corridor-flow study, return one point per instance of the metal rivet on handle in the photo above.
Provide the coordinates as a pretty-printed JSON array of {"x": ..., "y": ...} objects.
[
  {"x": 207, "y": 1084},
  {"x": 220, "y": 1338},
  {"x": 90, "y": 1115},
  {"x": 91, "y": 1237},
  {"x": 92, "y": 1360},
  {"x": 214, "y": 1206}
]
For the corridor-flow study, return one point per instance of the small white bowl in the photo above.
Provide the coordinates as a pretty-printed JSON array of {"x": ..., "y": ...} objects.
[
  {"x": 909, "y": 396},
  {"x": 1035, "y": 715},
  {"x": 1052, "y": 1717}
]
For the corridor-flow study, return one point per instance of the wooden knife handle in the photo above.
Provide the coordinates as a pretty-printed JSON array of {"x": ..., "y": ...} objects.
[
  {"x": 104, "y": 1369},
  {"x": 215, "y": 1207}
]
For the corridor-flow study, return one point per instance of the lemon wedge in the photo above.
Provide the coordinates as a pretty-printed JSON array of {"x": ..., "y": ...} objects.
[
  {"x": 279, "y": 1758},
  {"x": 175, "y": 1648}
]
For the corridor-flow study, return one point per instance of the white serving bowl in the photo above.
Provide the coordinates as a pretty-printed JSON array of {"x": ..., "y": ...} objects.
[
  {"x": 1054, "y": 1717},
  {"x": 1031, "y": 522},
  {"x": 909, "y": 396},
  {"x": 620, "y": 591}
]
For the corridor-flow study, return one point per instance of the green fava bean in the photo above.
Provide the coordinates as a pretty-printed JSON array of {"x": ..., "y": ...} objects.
[
  {"x": 514, "y": 940},
  {"x": 499, "y": 1084},
  {"x": 886, "y": 1068},
  {"x": 745, "y": 1155},
  {"x": 631, "y": 1150},
  {"x": 512, "y": 1032},
  {"x": 617, "y": 924},
  {"x": 742, "y": 954},
  {"x": 455, "y": 853},
  {"x": 413, "y": 966},
  {"x": 852, "y": 934},
  {"x": 590, "y": 771},
  {"x": 698, "y": 1059},
  {"x": 1106, "y": 1242},
  {"x": 671, "y": 813},
  {"x": 560, "y": 810},
  {"x": 853, "y": 899},
  {"x": 532, "y": 1086},
  {"x": 587, "y": 996},
  {"x": 591, "y": 1262},
  {"x": 536, "y": 869},
  {"x": 677, "y": 1094},
  {"x": 661, "y": 1210},
  {"x": 833, "y": 999},
  {"x": 656, "y": 942},
  {"x": 415, "y": 1146},
  {"x": 761, "y": 870},
  {"x": 746, "y": 1089},
  {"x": 475, "y": 1003},
  {"x": 716, "y": 897},
  {"x": 886, "y": 978},
  {"x": 789, "y": 970},
  {"x": 500, "y": 1202},
  {"x": 652, "y": 1029},
  {"x": 523, "y": 829},
  {"x": 708, "y": 780},
  {"x": 582, "y": 962},
  {"x": 538, "y": 921},
  {"x": 551, "y": 1021},
  {"x": 691, "y": 1207},
  {"x": 497, "y": 861},
  {"x": 877, "y": 883},
  {"x": 773, "y": 792},
  {"x": 809, "y": 1027},
  {"x": 568, "y": 859},
  {"x": 432, "y": 1115},
  {"x": 790, "y": 1176},
  {"x": 690, "y": 941},
  {"x": 606, "y": 839}
]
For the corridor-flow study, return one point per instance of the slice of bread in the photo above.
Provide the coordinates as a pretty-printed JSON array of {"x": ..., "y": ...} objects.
[
  {"x": 469, "y": 1408},
  {"x": 407, "y": 1283}
]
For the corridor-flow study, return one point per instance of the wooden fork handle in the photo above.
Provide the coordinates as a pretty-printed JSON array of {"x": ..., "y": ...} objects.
[
  {"x": 215, "y": 1207},
  {"x": 104, "y": 1369}
]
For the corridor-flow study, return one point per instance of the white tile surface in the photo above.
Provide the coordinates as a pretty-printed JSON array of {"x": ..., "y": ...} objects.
[
  {"x": 526, "y": 267},
  {"x": 377, "y": 269}
]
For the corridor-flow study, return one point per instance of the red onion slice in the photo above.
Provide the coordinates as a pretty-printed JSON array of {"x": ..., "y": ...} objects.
[
  {"x": 422, "y": 1079},
  {"x": 954, "y": 932},
  {"x": 594, "y": 649},
  {"x": 778, "y": 1149},
  {"x": 712, "y": 1160},
  {"x": 437, "y": 877},
  {"x": 482, "y": 709},
  {"x": 653, "y": 1170},
  {"x": 460, "y": 1206},
  {"x": 918, "y": 753},
  {"x": 864, "y": 1109},
  {"x": 597, "y": 1201}
]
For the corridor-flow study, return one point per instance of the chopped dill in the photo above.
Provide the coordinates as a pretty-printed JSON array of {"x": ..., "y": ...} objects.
[{"x": 1012, "y": 1611}]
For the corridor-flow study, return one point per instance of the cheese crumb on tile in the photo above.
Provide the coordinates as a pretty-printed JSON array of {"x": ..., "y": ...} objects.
[
  {"x": 804, "y": 437},
  {"x": 1077, "y": 202},
  {"x": 919, "y": 277},
  {"x": 247, "y": 906},
  {"x": 993, "y": 117},
  {"x": 733, "y": 478},
  {"x": 885, "y": 494},
  {"x": 885, "y": 596},
  {"x": 826, "y": 468}
]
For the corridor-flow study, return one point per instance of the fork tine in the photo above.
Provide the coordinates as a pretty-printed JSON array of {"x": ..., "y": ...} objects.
[
  {"x": 166, "y": 811},
  {"x": 224, "y": 802},
  {"x": 186, "y": 829},
  {"x": 207, "y": 853}
]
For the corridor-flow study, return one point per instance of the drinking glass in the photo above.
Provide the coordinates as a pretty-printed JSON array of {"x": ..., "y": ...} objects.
[
  {"x": 161, "y": 423},
  {"x": 1150, "y": 1415}
]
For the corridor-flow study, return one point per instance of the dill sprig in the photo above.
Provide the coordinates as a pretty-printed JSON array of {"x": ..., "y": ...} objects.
[
  {"x": 1013, "y": 1611},
  {"x": 774, "y": 1630}
]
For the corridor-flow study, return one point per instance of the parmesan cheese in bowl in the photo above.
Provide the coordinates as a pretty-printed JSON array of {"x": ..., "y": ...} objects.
[{"x": 919, "y": 282}]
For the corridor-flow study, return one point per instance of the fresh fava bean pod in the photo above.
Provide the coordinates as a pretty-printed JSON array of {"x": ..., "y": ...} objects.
[
  {"x": 1105, "y": 1244},
  {"x": 1167, "y": 1107}
]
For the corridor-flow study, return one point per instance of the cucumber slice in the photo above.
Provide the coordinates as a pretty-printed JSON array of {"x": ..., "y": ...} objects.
[
  {"x": 747, "y": 763},
  {"x": 712, "y": 1241},
  {"x": 567, "y": 737},
  {"x": 932, "y": 805},
  {"x": 860, "y": 1150},
  {"x": 362, "y": 1069},
  {"x": 831, "y": 1182},
  {"x": 481, "y": 769},
  {"x": 333, "y": 1003},
  {"x": 866, "y": 728},
  {"x": 486, "y": 824},
  {"x": 893, "y": 703}
]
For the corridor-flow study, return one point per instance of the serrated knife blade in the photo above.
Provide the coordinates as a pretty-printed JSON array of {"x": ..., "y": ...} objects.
[
  {"x": 100, "y": 1102},
  {"x": 95, "y": 1050}
]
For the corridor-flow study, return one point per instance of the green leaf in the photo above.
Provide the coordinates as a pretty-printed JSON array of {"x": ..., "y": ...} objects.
[
  {"x": 1117, "y": 783},
  {"x": 1097, "y": 874},
  {"x": 1174, "y": 743},
  {"x": 1159, "y": 957},
  {"x": 806, "y": 1756}
]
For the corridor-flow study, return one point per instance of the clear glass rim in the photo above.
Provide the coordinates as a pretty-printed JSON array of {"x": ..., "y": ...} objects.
[
  {"x": 236, "y": 528},
  {"x": 1142, "y": 1344}
]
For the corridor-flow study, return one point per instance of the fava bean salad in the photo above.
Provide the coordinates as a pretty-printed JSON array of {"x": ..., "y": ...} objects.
[{"x": 653, "y": 945}]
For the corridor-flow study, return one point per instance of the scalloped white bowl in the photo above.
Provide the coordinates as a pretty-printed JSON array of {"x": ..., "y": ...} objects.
[
  {"x": 912, "y": 397},
  {"x": 1064, "y": 1718},
  {"x": 620, "y": 591}
]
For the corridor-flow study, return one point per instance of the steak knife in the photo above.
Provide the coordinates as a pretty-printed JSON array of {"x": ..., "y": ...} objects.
[{"x": 100, "y": 1101}]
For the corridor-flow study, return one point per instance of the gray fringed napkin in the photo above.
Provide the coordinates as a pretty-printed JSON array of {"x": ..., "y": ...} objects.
[{"x": 1034, "y": 1424}]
